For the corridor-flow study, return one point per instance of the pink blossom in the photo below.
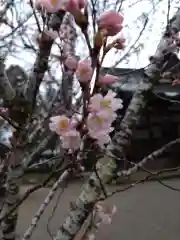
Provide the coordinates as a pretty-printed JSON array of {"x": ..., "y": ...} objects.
[
  {"x": 71, "y": 63},
  {"x": 71, "y": 140},
  {"x": 3, "y": 110},
  {"x": 113, "y": 30},
  {"x": 102, "y": 138},
  {"x": 82, "y": 3},
  {"x": 108, "y": 79},
  {"x": 110, "y": 102},
  {"x": 65, "y": 127},
  {"x": 84, "y": 71},
  {"x": 100, "y": 122},
  {"x": 95, "y": 102},
  {"x": 102, "y": 114},
  {"x": 90, "y": 236},
  {"x": 52, "y": 6},
  {"x": 105, "y": 212},
  {"x": 109, "y": 19},
  {"x": 111, "y": 22},
  {"x": 76, "y": 5},
  {"x": 99, "y": 127},
  {"x": 107, "y": 103},
  {"x": 119, "y": 44},
  {"x": 61, "y": 124},
  {"x": 176, "y": 82}
]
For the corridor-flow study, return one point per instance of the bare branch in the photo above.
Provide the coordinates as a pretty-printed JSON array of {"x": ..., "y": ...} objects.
[{"x": 41, "y": 63}]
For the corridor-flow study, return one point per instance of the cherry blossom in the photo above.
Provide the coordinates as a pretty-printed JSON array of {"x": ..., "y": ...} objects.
[
  {"x": 84, "y": 71},
  {"x": 100, "y": 122},
  {"x": 102, "y": 137},
  {"x": 61, "y": 124},
  {"x": 76, "y": 5},
  {"x": 90, "y": 236},
  {"x": 107, "y": 103},
  {"x": 120, "y": 43},
  {"x": 108, "y": 79},
  {"x": 66, "y": 128},
  {"x": 111, "y": 22},
  {"x": 71, "y": 140},
  {"x": 99, "y": 127},
  {"x": 71, "y": 63},
  {"x": 52, "y": 6},
  {"x": 105, "y": 212},
  {"x": 102, "y": 114},
  {"x": 175, "y": 82},
  {"x": 3, "y": 110}
]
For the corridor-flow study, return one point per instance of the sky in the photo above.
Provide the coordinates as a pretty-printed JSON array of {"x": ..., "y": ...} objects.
[{"x": 134, "y": 18}]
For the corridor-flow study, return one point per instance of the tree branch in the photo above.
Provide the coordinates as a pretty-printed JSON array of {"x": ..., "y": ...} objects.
[
  {"x": 41, "y": 63},
  {"x": 153, "y": 156}
]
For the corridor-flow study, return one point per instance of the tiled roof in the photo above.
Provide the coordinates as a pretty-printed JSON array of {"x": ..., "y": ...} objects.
[{"x": 130, "y": 78}]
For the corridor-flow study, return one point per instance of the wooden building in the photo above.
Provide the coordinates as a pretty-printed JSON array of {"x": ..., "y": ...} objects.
[{"x": 159, "y": 122}]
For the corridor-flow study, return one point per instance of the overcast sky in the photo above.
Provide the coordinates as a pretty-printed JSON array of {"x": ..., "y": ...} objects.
[{"x": 133, "y": 25}]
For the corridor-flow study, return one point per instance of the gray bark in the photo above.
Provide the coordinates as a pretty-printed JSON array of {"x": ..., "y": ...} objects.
[{"x": 92, "y": 189}]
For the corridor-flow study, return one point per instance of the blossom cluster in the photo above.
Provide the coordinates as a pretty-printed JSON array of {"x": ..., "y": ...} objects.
[
  {"x": 109, "y": 23},
  {"x": 66, "y": 128},
  {"x": 98, "y": 123},
  {"x": 102, "y": 215},
  {"x": 101, "y": 115},
  {"x": 84, "y": 71},
  {"x": 101, "y": 109}
]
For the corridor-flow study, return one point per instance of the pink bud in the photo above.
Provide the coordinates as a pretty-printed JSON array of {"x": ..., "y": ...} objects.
[
  {"x": 84, "y": 71},
  {"x": 3, "y": 110},
  {"x": 82, "y": 4},
  {"x": 108, "y": 79},
  {"x": 111, "y": 21},
  {"x": 113, "y": 30},
  {"x": 75, "y": 5},
  {"x": 72, "y": 6},
  {"x": 52, "y": 6},
  {"x": 71, "y": 63},
  {"x": 176, "y": 82},
  {"x": 119, "y": 44}
]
